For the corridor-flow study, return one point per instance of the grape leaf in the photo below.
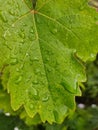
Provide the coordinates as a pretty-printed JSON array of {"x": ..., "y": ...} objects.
[{"x": 41, "y": 52}]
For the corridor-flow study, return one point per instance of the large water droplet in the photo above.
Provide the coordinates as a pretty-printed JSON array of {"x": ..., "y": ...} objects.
[
  {"x": 18, "y": 80},
  {"x": 45, "y": 98},
  {"x": 33, "y": 93},
  {"x": 32, "y": 90}
]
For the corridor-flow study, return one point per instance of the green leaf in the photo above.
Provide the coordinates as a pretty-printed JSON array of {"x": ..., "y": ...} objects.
[{"x": 40, "y": 51}]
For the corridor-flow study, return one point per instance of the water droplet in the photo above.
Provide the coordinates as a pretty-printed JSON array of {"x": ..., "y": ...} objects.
[
  {"x": 81, "y": 8},
  {"x": 47, "y": 59},
  {"x": 6, "y": 33},
  {"x": 33, "y": 93},
  {"x": 28, "y": 79},
  {"x": 22, "y": 35},
  {"x": 3, "y": 17},
  {"x": 18, "y": 80},
  {"x": 31, "y": 31},
  {"x": 33, "y": 90},
  {"x": 45, "y": 98},
  {"x": 49, "y": 69},
  {"x": 24, "y": 24},
  {"x": 54, "y": 31},
  {"x": 35, "y": 82},
  {"x": 43, "y": 73},
  {"x": 37, "y": 71},
  {"x": 27, "y": 54},
  {"x": 17, "y": 5},
  {"x": 13, "y": 61},
  {"x": 22, "y": 41},
  {"x": 22, "y": 30},
  {"x": 36, "y": 59},
  {"x": 12, "y": 12},
  {"x": 22, "y": 65},
  {"x": 31, "y": 106}
]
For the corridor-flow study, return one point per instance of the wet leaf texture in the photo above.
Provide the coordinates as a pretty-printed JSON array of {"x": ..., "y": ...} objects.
[{"x": 43, "y": 49}]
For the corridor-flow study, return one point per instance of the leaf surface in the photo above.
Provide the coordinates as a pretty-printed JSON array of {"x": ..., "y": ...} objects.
[{"x": 40, "y": 51}]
